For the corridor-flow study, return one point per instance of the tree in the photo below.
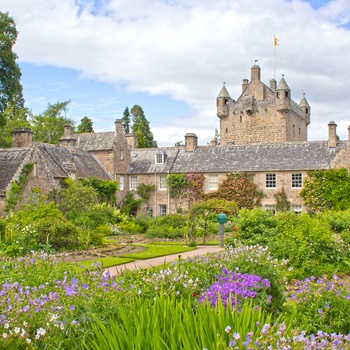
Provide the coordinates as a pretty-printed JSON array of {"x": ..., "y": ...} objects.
[
  {"x": 238, "y": 188},
  {"x": 11, "y": 91},
  {"x": 49, "y": 126},
  {"x": 141, "y": 128},
  {"x": 327, "y": 189},
  {"x": 85, "y": 126},
  {"x": 126, "y": 120}
]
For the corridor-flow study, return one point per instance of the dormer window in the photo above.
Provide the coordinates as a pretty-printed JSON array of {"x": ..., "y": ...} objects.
[{"x": 160, "y": 157}]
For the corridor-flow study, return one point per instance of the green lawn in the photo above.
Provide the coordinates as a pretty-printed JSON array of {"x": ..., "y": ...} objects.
[{"x": 155, "y": 250}]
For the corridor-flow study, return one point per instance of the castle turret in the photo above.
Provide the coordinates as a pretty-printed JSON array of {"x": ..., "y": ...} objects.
[
  {"x": 222, "y": 102},
  {"x": 283, "y": 90},
  {"x": 304, "y": 105}
]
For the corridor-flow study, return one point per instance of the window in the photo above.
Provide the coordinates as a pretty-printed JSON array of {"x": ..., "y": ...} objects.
[
  {"x": 213, "y": 182},
  {"x": 150, "y": 211},
  {"x": 286, "y": 93},
  {"x": 133, "y": 182},
  {"x": 161, "y": 209},
  {"x": 297, "y": 180},
  {"x": 160, "y": 157},
  {"x": 297, "y": 209},
  {"x": 72, "y": 175},
  {"x": 162, "y": 183},
  {"x": 121, "y": 182},
  {"x": 270, "y": 180},
  {"x": 121, "y": 154},
  {"x": 270, "y": 208},
  {"x": 35, "y": 170}
]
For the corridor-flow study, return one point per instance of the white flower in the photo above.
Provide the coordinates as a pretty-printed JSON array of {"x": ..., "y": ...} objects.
[
  {"x": 7, "y": 325},
  {"x": 4, "y": 335},
  {"x": 28, "y": 340},
  {"x": 17, "y": 330}
]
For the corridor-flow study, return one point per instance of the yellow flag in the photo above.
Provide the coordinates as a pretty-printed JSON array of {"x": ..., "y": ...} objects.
[{"x": 275, "y": 41}]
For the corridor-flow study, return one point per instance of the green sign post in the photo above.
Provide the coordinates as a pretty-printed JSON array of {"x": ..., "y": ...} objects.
[{"x": 221, "y": 218}]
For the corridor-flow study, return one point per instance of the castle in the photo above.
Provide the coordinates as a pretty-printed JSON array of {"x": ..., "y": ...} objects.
[{"x": 263, "y": 133}]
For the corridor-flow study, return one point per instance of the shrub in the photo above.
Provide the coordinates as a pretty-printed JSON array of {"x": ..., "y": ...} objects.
[{"x": 167, "y": 226}]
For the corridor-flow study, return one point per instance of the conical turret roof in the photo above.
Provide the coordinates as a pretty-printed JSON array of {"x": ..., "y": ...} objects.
[
  {"x": 224, "y": 93},
  {"x": 282, "y": 85},
  {"x": 303, "y": 102}
]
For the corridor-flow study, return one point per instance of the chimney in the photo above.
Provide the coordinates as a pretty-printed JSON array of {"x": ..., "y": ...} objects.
[
  {"x": 213, "y": 143},
  {"x": 118, "y": 126},
  {"x": 273, "y": 84},
  {"x": 255, "y": 73},
  {"x": 191, "y": 142},
  {"x": 332, "y": 134},
  {"x": 67, "y": 130},
  {"x": 244, "y": 84},
  {"x": 132, "y": 140},
  {"x": 22, "y": 137}
]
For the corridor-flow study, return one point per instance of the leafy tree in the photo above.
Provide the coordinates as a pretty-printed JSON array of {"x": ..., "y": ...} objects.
[
  {"x": 48, "y": 126},
  {"x": 126, "y": 120},
  {"x": 105, "y": 189},
  {"x": 14, "y": 118},
  {"x": 10, "y": 74},
  {"x": 327, "y": 189},
  {"x": 238, "y": 188},
  {"x": 85, "y": 126},
  {"x": 141, "y": 128}
]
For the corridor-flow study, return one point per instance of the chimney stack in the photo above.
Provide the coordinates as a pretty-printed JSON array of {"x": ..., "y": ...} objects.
[
  {"x": 118, "y": 126},
  {"x": 191, "y": 142},
  {"x": 332, "y": 134},
  {"x": 22, "y": 137}
]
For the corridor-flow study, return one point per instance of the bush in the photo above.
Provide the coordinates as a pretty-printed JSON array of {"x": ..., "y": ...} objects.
[
  {"x": 167, "y": 226},
  {"x": 166, "y": 232}
]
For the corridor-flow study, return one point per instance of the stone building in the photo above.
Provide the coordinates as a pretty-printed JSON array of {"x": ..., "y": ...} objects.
[{"x": 263, "y": 133}]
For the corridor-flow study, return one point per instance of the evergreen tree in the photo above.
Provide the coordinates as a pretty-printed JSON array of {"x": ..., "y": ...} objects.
[
  {"x": 10, "y": 74},
  {"x": 141, "y": 128},
  {"x": 48, "y": 126},
  {"x": 85, "y": 126},
  {"x": 126, "y": 120}
]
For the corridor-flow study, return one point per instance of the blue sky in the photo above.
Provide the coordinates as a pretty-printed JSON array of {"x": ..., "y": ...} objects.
[{"x": 171, "y": 58}]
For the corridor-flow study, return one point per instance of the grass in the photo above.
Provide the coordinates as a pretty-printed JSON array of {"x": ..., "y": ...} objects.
[
  {"x": 155, "y": 250},
  {"x": 181, "y": 243},
  {"x": 107, "y": 262}
]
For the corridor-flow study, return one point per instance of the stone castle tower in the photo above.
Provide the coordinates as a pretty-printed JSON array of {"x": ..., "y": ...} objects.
[{"x": 262, "y": 114}]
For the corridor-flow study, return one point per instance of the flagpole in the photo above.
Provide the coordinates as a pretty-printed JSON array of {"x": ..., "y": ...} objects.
[{"x": 275, "y": 43}]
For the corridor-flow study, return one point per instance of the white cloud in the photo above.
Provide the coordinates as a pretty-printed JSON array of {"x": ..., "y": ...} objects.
[{"x": 187, "y": 48}]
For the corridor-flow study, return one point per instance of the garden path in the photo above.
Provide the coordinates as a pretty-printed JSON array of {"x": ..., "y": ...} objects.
[{"x": 138, "y": 264}]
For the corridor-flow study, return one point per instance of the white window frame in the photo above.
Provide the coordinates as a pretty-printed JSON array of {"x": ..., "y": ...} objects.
[
  {"x": 297, "y": 180},
  {"x": 162, "y": 182},
  {"x": 162, "y": 209},
  {"x": 271, "y": 181},
  {"x": 270, "y": 207},
  {"x": 213, "y": 182},
  {"x": 159, "y": 158},
  {"x": 298, "y": 209},
  {"x": 121, "y": 182},
  {"x": 133, "y": 182},
  {"x": 121, "y": 154}
]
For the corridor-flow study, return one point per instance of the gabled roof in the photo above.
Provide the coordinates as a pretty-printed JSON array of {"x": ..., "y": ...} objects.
[
  {"x": 11, "y": 160},
  {"x": 95, "y": 141},
  {"x": 143, "y": 160},
  {"x": 86, "y": 164}
]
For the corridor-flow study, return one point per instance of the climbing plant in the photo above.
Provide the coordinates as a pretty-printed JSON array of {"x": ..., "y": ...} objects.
[{"x": 282, "y": 202}]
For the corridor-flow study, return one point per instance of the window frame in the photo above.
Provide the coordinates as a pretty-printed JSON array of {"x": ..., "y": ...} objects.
[
  {"x": 133, "y": 182},
  {"x": 270, "y": 207},
  {"x": 162, "y": 183},
  {"x": 162, "y": 209},
  {"x": 271, "y": 183},
  {"x": 121, "y": 182},
  {"x": 213, "y": 185},
  {"x": 297, "y": 181}
]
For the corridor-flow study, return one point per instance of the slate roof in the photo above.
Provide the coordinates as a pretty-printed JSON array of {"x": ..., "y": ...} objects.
[
  {"x": 86, "y": 164},
  {"x": 95, "y": 141},
  {"x": 143, "y": 160},
  {"x": 10, "y": 161},
  {"x": 291, "y": 156}
]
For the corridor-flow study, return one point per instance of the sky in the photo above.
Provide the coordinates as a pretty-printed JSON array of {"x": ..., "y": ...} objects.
[{"x": 171, "y": 57}]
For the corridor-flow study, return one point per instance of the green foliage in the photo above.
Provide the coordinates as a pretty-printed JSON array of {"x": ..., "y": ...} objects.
[
  {"x": 327, "y": 190},
  {"x": 167, "y": 226},
  {"x": 76, "y": 198},
  {"x": 282, "y": 202},
  {"x": 11, "y": 94},
  {"x": 141, "y": 128},
  {"x": 171, "y": 321},
  {"x": 130, "y": 226},
  {"x": 130, "y": 204},
  {"x": 321, "y": 304},
  {"x": 85, "y": 126},
  {"x": 145, "y": 191},
  {"x": 105, "y": 189},
  {"x": 48, "y": 126},
  {"x": 177, "y": 184},
  {"x": 15, "y": 193},
  {"x": 126, "y": 120},
  {"x": 238, "y": 188}
]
